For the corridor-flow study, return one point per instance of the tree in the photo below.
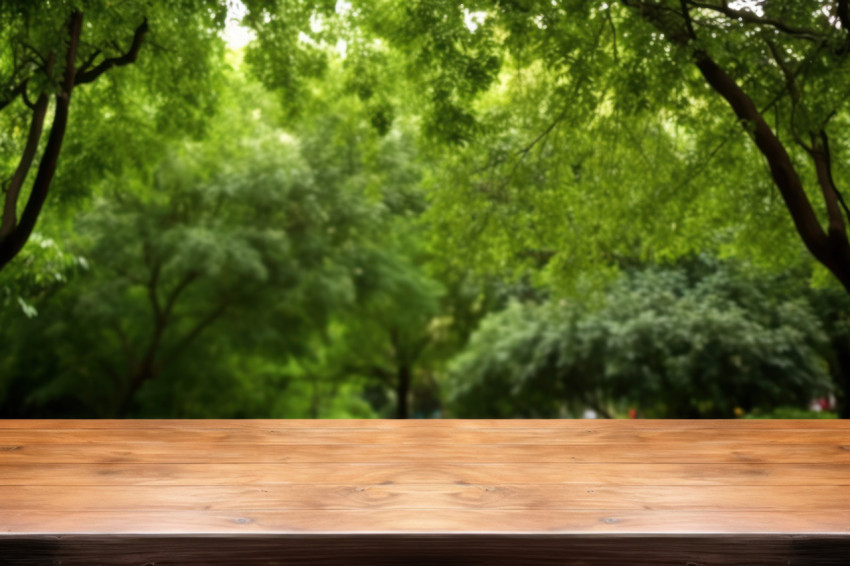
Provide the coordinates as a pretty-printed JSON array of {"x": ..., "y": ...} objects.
[
  {"x": 650, "y": 60},
  {"x": 807, "y": 45},
  {"x": 259, "y": 250},
  {"x": 55, "y": 47},
  {"x": 833, "y": 309},
  {"x": 680, "y": 342},
  {"x": 392, "y": 328}
]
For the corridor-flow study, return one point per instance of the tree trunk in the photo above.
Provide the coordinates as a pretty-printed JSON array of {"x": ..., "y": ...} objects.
[
  {"x": 830, "y": 247},
  {"x": 841, "y": 374},
  {"x": 15, "y": 238},
  {"x": 403, "y": 391},
  {"x": 140, "y": 377},
  {"x": 14, "y": 234}
]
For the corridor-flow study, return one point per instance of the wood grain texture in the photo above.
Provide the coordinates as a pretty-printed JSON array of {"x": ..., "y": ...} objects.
[
  {"x": 425, "y": 492},
  {"x": 715, "y": 452},
  {"x": 431, "y": 497},
  {"x": 436, "y": 472}
]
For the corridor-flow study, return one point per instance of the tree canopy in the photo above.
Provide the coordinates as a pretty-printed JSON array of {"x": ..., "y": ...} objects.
[
  {"x": 494, "y": 208},
  {"x": 658, "y": 88},
  {"x": 689, "y": 342}
]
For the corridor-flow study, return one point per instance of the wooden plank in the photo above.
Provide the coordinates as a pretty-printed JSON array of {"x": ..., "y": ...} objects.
[
  {"x": 322, "y": 473},
  {"x": 426, "y": 497},
  {"x": 738, "y": 492},
  {"x": 314, "y": 436},
  {"x": 670, "y": 452},
  {"x": 605, "y": 522}
]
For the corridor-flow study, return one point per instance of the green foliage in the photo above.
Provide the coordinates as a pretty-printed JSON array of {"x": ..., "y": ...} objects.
[
  {"x": 593, "y": 138},
  {"x": 170, "y": 86},
  {"x": 453, "y": 62},
  {"x": 671, "y": 342},
  {"x": 316, "y": 225},
  {"x": 202, "y": 259},
  {"x": 792, "y": 413},
  {"x": 44, "y": 267},
  {"x": 289, "y": 51}
]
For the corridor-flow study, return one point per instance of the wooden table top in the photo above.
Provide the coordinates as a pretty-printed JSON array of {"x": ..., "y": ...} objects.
[{"x": 568, "y": 478}]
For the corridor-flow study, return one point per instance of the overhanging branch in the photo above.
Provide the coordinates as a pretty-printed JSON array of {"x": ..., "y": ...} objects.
[
  {"x": 13, "y": 191},
  {"x": 782, "y": 169},
  {"x": 13, "y": 93},
  {"x": 751, "y": 18},
  {"x": 12, "y": 243},
  {"x": 85, "y": 75},
  {"x": 827, "y": 155},
  {"x": 843, "y": 13},
  {"x": 193, "y": 333},
  {"x": 688, "y": 23}
]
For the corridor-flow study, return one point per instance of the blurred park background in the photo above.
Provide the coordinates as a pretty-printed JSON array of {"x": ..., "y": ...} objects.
[{"x": 423, "y": 209}]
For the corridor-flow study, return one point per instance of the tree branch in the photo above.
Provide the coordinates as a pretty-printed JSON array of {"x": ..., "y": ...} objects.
[
  {"x": 10, "y": 205},
  {"x": 153, "y": 296},
  {"x": 822, "y": 158},
  {"x": 542, "y": 134},
  {"x": 830, "y": 195},
  {"x": 14, "y": 93},
  {"x": 832, "y": 249},
  {"x": 787, "y": 72},
  {"x": 843, "y": 12},
  {"x": 132, "y": 358},
  {"x": 613, "y": 35},
  {"x": 88, "y": 62},
  {"x": 193, "y": 334},
  {"x": 175, "y": 293},
  {"x": 828, "y": 154},
  {"x": 790, "y": 80},
  {"x": 29, "y": 103},
  {"x": 87, "y": 76},
  {"x": 688, "y": 23},
  {"x": 35, "y": 52},
  {"x": 782, "y": 169},
  {"x": 15, "y": 240},
  {"x": 751, "y": 18},
  {"x": 39, "y": 111}
]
